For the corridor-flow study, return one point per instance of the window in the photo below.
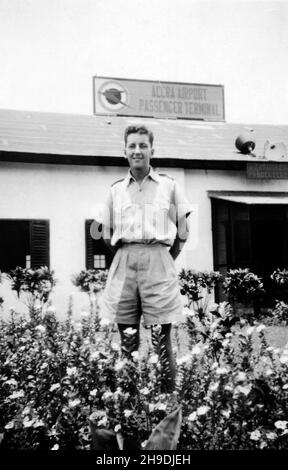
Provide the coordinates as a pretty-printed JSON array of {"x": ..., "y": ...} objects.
[
  {"x": 253, "y": 236},
  {"x": 98, "y": 255},
  {"x": 100, "y": 261},
  {"x": 23, "y": 243}
]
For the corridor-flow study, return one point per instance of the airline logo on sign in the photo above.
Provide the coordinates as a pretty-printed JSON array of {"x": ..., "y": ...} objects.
[{"x": 146, "y": 98}]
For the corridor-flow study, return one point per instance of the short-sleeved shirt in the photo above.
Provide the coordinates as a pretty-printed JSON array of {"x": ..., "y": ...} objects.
[{"x": 149, "y": 212}]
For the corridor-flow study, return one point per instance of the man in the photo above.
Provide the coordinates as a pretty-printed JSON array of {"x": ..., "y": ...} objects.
[{"x": 144, "y": 223}]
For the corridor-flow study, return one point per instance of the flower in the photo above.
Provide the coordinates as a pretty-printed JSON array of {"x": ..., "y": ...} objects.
[
  {"x": 117, "y": 428},
  {"x": 93, "y": 392},
  {"x": 255, "y": 435},
  {"x": 129, "y": 331},
  {"x": 214, "y": 386},
  {"x": 84, "y": 314},
  {"x": 95, "y": 355},
  {"x": 285, "y": 387},
  {"x": 16, "y": 395},
  {"x": 241, "y": 377},
  {"x": 221, "y": 371},
  {"x": 55, "y": 447},
  {"x": 105, "y": 321},
  {"x": 103, "y": 421},
  {"x": 192, "y": 416},
  {"x": 107, "y": 395},
  {"x": 260, "y": 328},
  {"x": 28, "y": 422},
  {"x": 128, "y": 413},
  {"x": 54, "y": 387},
  {"x": 9, "y": 425},
  {"x": 281, "y": 424},
  {"x": 71, "y": 371},
  {"x": 144, "y": 391},
  {"x": 135, "y": 355},
  {"x": 11, "y": 382},
  {"x": 39, "y": 424},
  {"x": 245, "y": 390},
  {"x": 271, "y": 435},
  {"x": 196, "y": 350},
  {"x": 40, "y": 329},
  {"x": 187, "y": 312},
  {"x": 250, "y": 330},
  {"x": 73, "y": 403},
  {"x": 226, "y": 413},
  {"x": 120, "y": 364},
  {"x": 202, "y": 410},
  {"x": 153, "y": 359},
  {"x": 161, "y": 406},
  {"x": 284, "y": 359}
]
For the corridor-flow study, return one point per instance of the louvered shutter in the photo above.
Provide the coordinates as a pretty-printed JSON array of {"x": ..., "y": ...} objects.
[
  {"x": 89, "y": 245},
  {"x": 221, "y": 251},
  {"x": 39, "y": 243}
]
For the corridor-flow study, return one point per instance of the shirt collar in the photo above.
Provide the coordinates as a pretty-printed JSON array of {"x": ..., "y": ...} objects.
[{"x": 152, "y": 174}]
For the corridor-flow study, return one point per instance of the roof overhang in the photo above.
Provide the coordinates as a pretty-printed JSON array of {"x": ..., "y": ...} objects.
[{"x": 250, "y": 197}]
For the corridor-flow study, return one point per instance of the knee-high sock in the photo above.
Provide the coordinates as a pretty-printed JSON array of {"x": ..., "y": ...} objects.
[{"x": 161, "y": 340}]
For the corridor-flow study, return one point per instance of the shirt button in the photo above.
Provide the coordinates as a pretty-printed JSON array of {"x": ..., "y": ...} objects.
[{"x": 140, "y": 190}]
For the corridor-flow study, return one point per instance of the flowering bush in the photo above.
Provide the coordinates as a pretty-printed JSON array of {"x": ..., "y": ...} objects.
[
  {"x": 194, "y": 283},
  {"x": 278, "y": 315},
  {"x": 92, "y": 282},
  {"x": 280, "y": 277},
  {"x": 242, "y": 286},
  {"x": 35, "y": 284},
  {"x": 55, "y": 377}
]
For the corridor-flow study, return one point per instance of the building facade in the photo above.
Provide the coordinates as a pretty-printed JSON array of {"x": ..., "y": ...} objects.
[{"x": 56, "y": 168}]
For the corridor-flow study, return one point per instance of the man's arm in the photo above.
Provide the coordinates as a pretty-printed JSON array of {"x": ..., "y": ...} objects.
[{"x": 180, "y": 239}]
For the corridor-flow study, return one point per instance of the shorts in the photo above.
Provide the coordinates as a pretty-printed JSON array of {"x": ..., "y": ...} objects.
[{"x": 142, "y": 281}]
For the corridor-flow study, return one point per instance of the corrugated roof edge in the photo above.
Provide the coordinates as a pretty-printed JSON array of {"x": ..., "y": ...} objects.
[{"x": 81, "y": 139}]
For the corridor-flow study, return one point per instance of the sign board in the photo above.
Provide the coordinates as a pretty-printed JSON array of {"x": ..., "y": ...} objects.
[
  {"x": 267, "y": 170},
  {"x": 147, "y": 98}
]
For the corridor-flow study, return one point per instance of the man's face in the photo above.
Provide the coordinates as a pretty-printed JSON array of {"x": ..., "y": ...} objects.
[{"x": 138, "y": 151}]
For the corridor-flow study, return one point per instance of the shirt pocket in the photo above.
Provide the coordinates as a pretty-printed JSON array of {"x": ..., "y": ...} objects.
[
  {"x": 161, "y": 216},
  {"x": 125, "y": 215}
]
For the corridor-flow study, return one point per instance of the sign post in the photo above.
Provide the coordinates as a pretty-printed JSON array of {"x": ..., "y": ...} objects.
[{"x": 147, "y": 98}]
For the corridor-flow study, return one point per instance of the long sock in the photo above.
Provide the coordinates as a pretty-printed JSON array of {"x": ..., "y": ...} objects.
[{"x": 161, "y": 340}]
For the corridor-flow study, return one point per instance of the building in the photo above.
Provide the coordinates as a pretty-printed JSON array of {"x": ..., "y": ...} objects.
[{"x": 55, "y": 168}]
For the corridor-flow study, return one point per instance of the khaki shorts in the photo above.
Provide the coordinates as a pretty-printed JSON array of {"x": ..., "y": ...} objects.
[{"x": 142, "y": 281}]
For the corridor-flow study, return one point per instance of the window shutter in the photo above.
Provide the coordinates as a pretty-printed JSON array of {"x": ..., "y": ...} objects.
[
  {"x": 220, "y": 233},
  {"x": 39, "y": 243},
  {"x": 89, "y": 245}
]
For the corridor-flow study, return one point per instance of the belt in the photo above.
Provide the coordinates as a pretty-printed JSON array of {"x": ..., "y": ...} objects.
[{"x": 149, "y": 245}]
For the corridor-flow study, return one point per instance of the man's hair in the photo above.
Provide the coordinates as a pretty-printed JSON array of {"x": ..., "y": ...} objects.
[{"x": 138, "y": 130}]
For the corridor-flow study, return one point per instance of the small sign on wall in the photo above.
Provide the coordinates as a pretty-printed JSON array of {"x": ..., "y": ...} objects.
[
  {"x": 147, "y": 98},
  {"x": 267, "y": 170}
]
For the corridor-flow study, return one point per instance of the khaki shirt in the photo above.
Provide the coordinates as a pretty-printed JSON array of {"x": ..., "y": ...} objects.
[{"x": 146, "y": 212}]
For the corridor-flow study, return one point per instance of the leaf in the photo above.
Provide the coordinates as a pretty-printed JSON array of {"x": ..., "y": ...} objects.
[
  {"x": 103, "y": 439},
  {"x": 166, "y": 434}
]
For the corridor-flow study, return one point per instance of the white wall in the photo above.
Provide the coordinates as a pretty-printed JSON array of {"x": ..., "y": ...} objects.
[{"x": 67, "y": 195}]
